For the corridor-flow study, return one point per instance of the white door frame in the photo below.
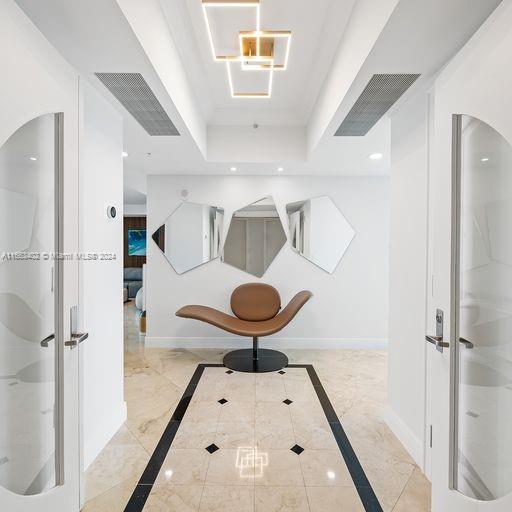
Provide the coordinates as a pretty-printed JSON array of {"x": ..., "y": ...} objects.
[
  {"x": 427, "y": 448},
  {"x": 464, "y": 87},
  {"x": 39, "y": 81}
]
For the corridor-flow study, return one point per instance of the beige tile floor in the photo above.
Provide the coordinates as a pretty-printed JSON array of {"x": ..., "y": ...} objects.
[{"x": 193, "y": 480}]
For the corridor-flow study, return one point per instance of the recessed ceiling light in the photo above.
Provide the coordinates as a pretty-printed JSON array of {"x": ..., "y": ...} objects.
[
  {"x": 331, "y": 475},
  {"x": 232, "y": 169},
  {"x": 280, "y": 169},
  {"x": 375, "y": 156},
  {"x": 485, "y": 159},
  {"x": 33, "y": 158},
  {"x": 125, "y": 154}
]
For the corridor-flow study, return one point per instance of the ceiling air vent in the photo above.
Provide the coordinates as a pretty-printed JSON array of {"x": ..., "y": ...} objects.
[
  {"x": 135, "y": 95},
  {"x": 377, "y": 98}
]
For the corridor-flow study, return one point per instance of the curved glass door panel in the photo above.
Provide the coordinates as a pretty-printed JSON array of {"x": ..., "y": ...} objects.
[
  {"x": 483, "y": 469},
  {"x": 27, "y": 309}
]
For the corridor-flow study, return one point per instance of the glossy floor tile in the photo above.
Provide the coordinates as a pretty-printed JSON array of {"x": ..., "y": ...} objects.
[
  {"x": 253, "y": 442},
  {"x": 122, "y": 459}
]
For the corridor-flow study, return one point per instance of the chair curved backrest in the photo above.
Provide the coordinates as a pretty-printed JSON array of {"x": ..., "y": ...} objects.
[
  {"x": 249, "y": 327},
  {"x": 255, "y": 302}
]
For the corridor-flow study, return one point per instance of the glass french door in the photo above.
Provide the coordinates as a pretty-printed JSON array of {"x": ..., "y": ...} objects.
[
  {"x": 482, "y": 312},
  {"x": 28, "y": 360},
  {"x": 39, "y": 433}
]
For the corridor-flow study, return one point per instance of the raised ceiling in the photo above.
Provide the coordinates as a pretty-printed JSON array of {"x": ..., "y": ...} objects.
[
  {"x": 316, "y": 30},
  {"x": 336, "y": 47}
]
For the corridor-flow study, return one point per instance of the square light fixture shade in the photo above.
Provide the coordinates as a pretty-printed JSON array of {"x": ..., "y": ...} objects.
[
  {"x": 274, "y": 44},
  {"x": 250, "y": 49}
]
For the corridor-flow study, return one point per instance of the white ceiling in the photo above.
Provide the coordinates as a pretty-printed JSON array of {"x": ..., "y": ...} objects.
[
  {"x": 132, "y": 196},
  {"x": 336, "y": 47},
  {"x": 317, "y": 28}
]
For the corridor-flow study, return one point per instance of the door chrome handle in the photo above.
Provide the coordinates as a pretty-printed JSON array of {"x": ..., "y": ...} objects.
[
  {"x": 468, "y": 344},
  {"x": 44, "y": 343},
  {"x": 76, "y": 339},
  {"x": 437, "y": 341}
]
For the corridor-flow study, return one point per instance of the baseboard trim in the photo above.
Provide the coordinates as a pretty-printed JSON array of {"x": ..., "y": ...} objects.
[
  {"x": 104, "y": 433},
  {"x": 404, "y": 434},
  {"x": 276, "y": 343}
]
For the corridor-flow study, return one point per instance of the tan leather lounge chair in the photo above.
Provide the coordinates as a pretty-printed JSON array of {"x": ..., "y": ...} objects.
[{"x": 256, "y": 307}]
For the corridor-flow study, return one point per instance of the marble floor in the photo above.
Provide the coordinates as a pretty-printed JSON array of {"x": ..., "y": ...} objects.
[{"x": 232, "y": 450}]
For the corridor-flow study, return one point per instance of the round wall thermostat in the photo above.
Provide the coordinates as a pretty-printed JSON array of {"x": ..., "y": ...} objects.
[
  {"x": 111, "y": 212},
  {"x": 184, "y": 194}
]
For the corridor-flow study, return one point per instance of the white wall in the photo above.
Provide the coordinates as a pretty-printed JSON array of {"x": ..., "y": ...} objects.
[
  {"x": 349, "y": 308},
  {"x": 407, "y": 275},
  {"x": 266, "y": 144},
  {"x": 101, "y": 282}
]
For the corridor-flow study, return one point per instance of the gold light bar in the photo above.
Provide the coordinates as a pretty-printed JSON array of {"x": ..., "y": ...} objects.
[
  {"x": 267, "y": 94},
  {"x": 207, "y": 4}
]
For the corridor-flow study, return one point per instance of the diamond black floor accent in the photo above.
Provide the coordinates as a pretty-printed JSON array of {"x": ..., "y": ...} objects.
[
  {"x": 297, "y": 449},
  {"x": 222, "y": 401},
  {"x": 147, "y": 480},
  {"x": 287, "y": 401},
  {"x": 281, "y": 372},
  {"x": 212, "y": 448},
  {"x": 229, "y": 372}
]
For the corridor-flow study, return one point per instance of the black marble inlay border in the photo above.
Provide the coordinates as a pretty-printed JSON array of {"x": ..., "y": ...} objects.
[
  {"x": 147, "y": 480},
  {"x": 361, "y": 482}
]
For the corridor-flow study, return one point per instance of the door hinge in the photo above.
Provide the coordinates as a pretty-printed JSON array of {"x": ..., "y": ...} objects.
[{"x": 430, "y": 436}]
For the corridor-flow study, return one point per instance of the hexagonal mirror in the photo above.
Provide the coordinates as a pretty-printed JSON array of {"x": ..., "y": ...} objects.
[
  {"x": 255, "y": 237},
  {"x": 319, "y": 231},
  {"x": 190, "y": 236}
]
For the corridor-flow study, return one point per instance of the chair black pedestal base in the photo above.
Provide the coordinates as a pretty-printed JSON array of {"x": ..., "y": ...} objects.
[{"x": 266, "y": 361}]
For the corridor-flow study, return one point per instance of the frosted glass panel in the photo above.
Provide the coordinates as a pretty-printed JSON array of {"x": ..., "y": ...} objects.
[
  {"x": 27, "y": 323},
  {"x": 484, "y": 462}
]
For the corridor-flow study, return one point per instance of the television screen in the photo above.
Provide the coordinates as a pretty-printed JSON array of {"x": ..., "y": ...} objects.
[{"x": 136, "y": 242}]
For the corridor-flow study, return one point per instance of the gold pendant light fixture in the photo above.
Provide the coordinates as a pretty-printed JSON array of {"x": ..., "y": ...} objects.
[{"x": 259, "y": 51}]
